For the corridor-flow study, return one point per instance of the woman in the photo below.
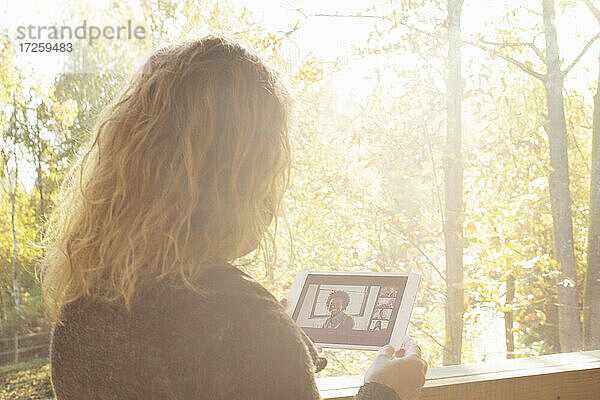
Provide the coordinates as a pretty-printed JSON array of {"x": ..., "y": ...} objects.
[
  {"x": 185, "y": 172},
  {"x": 336, "y": 304}
]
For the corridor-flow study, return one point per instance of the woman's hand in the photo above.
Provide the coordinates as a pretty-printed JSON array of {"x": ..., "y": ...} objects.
[
  {"x": 405, "y": 373},
  {"x": 284, "y": 302}
]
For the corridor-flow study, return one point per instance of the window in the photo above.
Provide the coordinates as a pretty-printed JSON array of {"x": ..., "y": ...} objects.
[{"x": 412, "y": 152}]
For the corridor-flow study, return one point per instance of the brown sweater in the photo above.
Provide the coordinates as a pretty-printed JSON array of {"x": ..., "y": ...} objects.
[{"x": 234, "y": 342}]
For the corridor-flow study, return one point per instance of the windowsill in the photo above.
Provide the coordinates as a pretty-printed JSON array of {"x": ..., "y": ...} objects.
[{"x": 565, "y": 376}]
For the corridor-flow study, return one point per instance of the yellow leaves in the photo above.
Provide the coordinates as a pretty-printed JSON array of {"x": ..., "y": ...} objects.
[
  {"x": 495, "y": 241},
  {"x": 470, "y": 227},
  {"x": 541, "y": 316},
  {"x": 310, "y": 71},
  {"x": 65, "y": 112},
  {"x": 397, "y": 218},
  {"x": 546, "y": 219},
  {"x": 30, "y": 381},
  {"x": 269, "y": 40}
]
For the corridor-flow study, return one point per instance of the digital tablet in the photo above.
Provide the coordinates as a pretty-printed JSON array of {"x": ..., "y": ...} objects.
[{"x": 353, "y": 310}]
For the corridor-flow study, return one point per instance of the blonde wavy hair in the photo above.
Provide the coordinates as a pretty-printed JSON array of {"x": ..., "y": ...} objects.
[{"x": 185, "y": 171}]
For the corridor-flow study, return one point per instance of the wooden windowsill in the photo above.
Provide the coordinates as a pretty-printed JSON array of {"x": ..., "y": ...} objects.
[{"x": 566, "y": 376}]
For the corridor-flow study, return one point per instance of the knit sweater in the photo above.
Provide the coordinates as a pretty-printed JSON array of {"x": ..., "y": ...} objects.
[{"x": 231, "y": 341}]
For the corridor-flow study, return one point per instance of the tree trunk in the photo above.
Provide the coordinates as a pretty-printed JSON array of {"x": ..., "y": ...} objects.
[
  {"x": 15, "y": 259},
  {"x": 40, "y": 179},
  {"x": 569, "y": 323},
  {"x": 591, "y": 294},
  {"x": 453, "y": 204},
  {"x": 509, "y": 318}
]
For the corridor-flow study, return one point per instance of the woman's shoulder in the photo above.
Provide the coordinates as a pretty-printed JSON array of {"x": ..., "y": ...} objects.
[
  {"x": 166, "y": 318},
  {"x": 230, "y": 317},
  {"x": 217, "y": 288},
  {"x": 230, "y": 285},
  {"x": 243, "y": 298}
]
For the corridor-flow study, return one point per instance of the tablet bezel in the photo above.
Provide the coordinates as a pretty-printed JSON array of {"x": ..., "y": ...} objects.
[{"x": 402, "y": 318}]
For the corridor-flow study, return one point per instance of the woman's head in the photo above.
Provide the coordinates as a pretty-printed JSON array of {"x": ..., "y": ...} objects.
[{"x": 186, "y": 170}]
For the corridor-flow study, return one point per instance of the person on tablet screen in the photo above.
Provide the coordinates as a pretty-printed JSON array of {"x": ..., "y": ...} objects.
[
  {"x": 337, "y": 302},
  {"x": 377, "y": 326}
]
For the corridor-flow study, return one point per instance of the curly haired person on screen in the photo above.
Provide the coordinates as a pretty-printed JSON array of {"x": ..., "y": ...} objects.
[{"x": 337, "y": 302}]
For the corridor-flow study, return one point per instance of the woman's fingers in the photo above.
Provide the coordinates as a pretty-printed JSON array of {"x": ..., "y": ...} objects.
[
  {"x": 386, "y": 351},
  {"x": 411, "y": 347},
  {"x": 400, "y": 352},
  {"x": 284, "y": 302},
  {"x": 405, "y": 373}
]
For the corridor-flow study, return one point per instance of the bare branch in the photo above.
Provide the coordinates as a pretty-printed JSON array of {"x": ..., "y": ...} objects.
[
  {"x": 531, "y": 45},
  {"x": 415, "y": 29},
  {"x": 532, "y": 11},
  {"x": 325, "y": 15},
  {"x": 504, "y": 44},
  {"x": 537, "y": 51},
  {"x": 583, "y": 157},
  {"x": 593, "y": 9},
  {"x": 429, "y": 261},
  {"x": 371, "y": 16},
  {"x": 433, "y": 338},
  {"x": 583, "y": 51},
  {"x": 509, "y": 59}
]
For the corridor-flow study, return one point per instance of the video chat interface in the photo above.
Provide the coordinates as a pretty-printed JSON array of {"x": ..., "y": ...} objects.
[{"x": 349, "y": 309}]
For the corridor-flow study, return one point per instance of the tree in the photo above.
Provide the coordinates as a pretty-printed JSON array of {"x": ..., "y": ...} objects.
[
  {"x": 509, "y": 225},
  {"x": 591, "y": 294},
  {"x": 10, "y": 187},
  {"x": 453, "y": 205},
  {"x": 10, "y": 178},
  {"x": 560, "y": 197}
]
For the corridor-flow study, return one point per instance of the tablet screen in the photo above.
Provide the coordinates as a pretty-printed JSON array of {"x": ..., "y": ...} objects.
[{"x": 349, "y": 310}]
